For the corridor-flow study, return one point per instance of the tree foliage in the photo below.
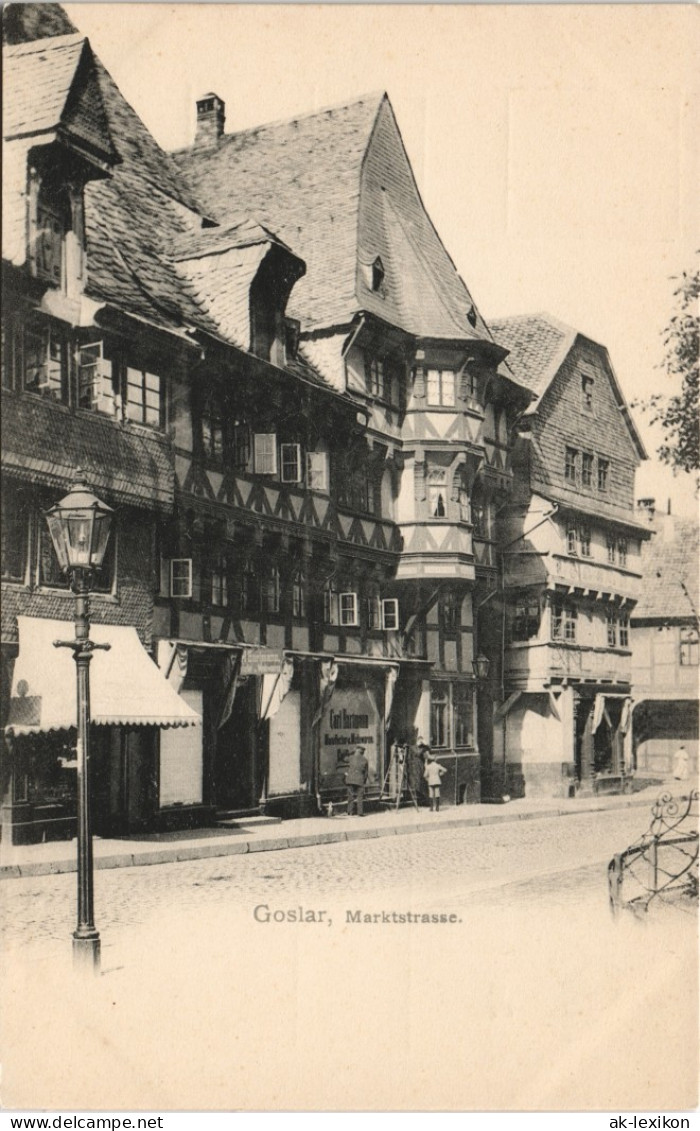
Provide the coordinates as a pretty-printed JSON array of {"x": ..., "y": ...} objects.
[{"x": 679, "y": 415}]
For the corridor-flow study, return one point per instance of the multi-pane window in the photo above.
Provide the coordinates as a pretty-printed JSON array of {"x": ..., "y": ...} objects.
[
  {"x": 265, "y": 453},
  {"x": 571, "y": 539},
  {"x": 571, "y": 465},
  {"x": 624, "y": 628},
  {"x": 144, "y": 397},
  {"x": 587, "y": 393},
  {"x": 52, "y": 222},
  {"x": 584, "y": 537},
  {"x": 463, "y": 704},
  {"x": 441, "y": 386},
  {"x": 95, "y": 380},
  {"x": 603, "y": 470},
  {"x": 317, "y": 471},
  {"x": 586, "y": 469},
  {"x": 612, "y": 548},
  {"x": 689, "y": 650},
  {"x": 622, "y": 551},
  {"x": 219, "y": 580},
  {"x": 564, "y": 618},
  {"x": 452, "y": 715},
  {"x": 290, "y": 463},
  {"x": 373, "y": 614},
  {"x": 437, "y": 492},
  {"x": 298, "y": 595},
  {"x": 375, "y": 373},
  {"x": 14, "y": 530},
  {"x": 611, "y": 627},
  {"x": 212, "y": 428},
  {"x": 271, "y": 589},
  {"x": 526, "y": 620},
  {"x": 240, "y": 444},
  {"x": 355, "y": 485},
  {"x": 330, "y": 602},
  {"x": 450, "y": 611},
  {"x": 348, "y": 609},
  {"x": 44, "y": 361},
  {"x": 439, "y": 715},
  {"x": 181, "y": 577},
  {"x": 250, "y": 589}
]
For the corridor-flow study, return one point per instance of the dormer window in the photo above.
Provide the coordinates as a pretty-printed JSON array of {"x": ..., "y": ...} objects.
[
  {"x": 373, "y": 275},
  {"x": 52, "y": 224}
]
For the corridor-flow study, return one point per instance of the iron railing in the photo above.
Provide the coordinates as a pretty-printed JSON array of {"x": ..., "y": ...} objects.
[{"x": 663, "y": 864}]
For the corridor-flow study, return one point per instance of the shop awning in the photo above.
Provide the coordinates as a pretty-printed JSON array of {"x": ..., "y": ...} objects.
[{"x": 126, "y": 687}]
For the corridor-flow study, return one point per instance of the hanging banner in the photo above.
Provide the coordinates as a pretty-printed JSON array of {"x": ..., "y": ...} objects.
[{"x": 274, "y": 689}]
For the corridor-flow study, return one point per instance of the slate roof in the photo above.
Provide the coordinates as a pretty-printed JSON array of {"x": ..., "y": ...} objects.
[
  {"x": 308, "y": 179},
  {"x": 665, "y": 563},
  {"x": 538, "y": 345},
  {"x": 45, "y": 444},
  {"x": 39, "y": 76}
]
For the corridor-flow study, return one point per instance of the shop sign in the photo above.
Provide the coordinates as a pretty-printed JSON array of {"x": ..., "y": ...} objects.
[
  {"x": 352, "y": 719},
  {"x": 261, "y": 661}
]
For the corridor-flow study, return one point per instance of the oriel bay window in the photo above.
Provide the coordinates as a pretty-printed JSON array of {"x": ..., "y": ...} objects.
[
  {"x": 437, "y": 492},
  {"x": 440, "y": 387}
]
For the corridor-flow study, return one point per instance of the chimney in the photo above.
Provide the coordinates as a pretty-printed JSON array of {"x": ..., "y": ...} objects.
[{"x": 211, "y": 116}]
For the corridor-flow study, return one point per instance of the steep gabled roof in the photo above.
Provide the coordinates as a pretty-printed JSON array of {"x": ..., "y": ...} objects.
[
  {"x": 337, "y": 187},
  {"x": 668, "y": 565},
  {"x": 539, "y": 345}
]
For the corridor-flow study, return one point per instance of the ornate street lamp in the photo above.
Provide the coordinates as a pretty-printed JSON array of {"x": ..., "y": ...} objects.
[
  {"x": 480, "y": 666},
  {"x": 79, "y": 527}
]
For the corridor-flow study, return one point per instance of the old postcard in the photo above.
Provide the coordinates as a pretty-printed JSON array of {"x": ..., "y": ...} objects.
[{"x": 350, "y": 558}]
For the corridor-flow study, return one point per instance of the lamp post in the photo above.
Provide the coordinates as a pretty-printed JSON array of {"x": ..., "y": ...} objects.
[{"x": 79, "y": 526}]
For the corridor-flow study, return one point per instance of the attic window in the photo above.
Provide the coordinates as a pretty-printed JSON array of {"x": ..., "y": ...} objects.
[
  {"x": 53, "y": 220},
  {"x": 374, "y": 275}
]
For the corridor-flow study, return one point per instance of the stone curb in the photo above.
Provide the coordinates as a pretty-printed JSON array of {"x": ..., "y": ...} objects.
[{"x": 183, "y": 853}]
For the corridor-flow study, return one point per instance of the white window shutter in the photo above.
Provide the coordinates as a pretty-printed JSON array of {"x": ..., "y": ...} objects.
[
  {"x": 390, "y": 614},
  {"x": 265, "y": 453}
]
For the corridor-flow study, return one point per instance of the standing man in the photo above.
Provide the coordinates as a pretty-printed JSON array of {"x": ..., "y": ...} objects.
[{"x": 356, "y": 779}]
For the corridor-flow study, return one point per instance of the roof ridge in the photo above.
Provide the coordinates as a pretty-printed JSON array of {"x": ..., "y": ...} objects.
[{"x": 372, "y": 97}]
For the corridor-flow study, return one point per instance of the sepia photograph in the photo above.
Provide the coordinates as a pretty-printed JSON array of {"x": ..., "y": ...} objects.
[{"x": 350, "y": 574}]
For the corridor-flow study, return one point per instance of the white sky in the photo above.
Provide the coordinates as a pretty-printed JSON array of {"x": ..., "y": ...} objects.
[{"x": 555, "y": 146}]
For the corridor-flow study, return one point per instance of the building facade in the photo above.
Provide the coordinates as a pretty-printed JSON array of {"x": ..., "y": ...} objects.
[
  {"x": 571, "y": 544},
  {"x": 665, "y": 646}
]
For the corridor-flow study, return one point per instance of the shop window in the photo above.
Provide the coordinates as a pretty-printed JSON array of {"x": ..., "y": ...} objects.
[
  {"x": 95, "y": 380},
  {"x": 265, "y": 453},
  {"x": 437, "y": 492},
  {"x": 603, "y": 474},
  {"x": 290, "y": 463},
  {"x": 441, "y": 387},
  {"x": 586, "y": 469},
  {"x": 14, "y": 532},
  {"x": 526, "y": 620},
  {"x": 689, "y": 657},
  {"x": 317, "y": 471},
  {"x": 348, "y": 610},
  {"x": 212, "y": 429},
  {"x": 464, "y": 715},
  {"x": 144, "y": 397},
  {"x": 571, "y": 465},
  {"x": 439, "y": 716},
  {"x": 330, "y": 603}
]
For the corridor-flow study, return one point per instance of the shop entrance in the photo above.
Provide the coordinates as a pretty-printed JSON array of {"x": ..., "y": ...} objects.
[{"x": 238, "y": 776}]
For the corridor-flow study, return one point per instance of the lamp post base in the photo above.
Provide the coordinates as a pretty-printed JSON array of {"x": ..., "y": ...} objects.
[{"x": 86, "y": 952}]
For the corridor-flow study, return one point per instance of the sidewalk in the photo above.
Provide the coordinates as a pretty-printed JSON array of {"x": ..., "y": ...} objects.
[{"x": 269, "y": 834}]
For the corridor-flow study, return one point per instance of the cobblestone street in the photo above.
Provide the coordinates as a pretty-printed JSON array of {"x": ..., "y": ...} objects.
[
  {"x": 453, "y": 864},
  {"x": 532, "y": 997}
]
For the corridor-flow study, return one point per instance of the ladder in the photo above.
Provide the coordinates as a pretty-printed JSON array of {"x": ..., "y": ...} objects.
[{"x": 397, "y": 780}]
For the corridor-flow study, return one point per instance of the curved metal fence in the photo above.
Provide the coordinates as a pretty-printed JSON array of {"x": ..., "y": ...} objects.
[{"x": 663, "y": 863}]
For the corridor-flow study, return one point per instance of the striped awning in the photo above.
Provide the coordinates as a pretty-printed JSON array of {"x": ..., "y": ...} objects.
[{"x": 126, "y": 687}]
